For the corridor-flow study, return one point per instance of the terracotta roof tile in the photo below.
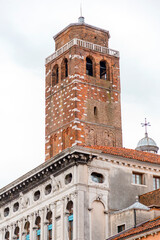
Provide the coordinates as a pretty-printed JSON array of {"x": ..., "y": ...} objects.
[
  {"x": 151, "y": 198},
  {"x": 129, "y": 153},
  {"x": 144, "y": 227}
]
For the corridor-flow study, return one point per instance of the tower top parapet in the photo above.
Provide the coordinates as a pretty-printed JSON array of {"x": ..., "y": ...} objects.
[{"x": 82, "y": 31}]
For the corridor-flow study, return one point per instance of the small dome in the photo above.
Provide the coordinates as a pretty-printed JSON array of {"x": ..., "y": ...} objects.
[{"x": 147, "y": 144}]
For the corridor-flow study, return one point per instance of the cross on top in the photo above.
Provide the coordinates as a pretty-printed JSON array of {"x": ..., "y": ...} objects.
[{"x": 145, "y": 125}]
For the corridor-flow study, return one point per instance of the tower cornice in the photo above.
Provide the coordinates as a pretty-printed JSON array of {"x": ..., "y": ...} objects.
[{"x": 81, "y": 24}]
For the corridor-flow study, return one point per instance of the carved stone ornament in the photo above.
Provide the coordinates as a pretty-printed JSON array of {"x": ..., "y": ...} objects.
[
  {"x": 24, "y": 201},
  {"x": 99, "y": 197},
  {"x": 56, "y": 185}
]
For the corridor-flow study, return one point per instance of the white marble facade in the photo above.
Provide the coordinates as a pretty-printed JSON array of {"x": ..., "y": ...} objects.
[
  {"x": 35, "y": 201},
  {"x": 96, "y": 184}
]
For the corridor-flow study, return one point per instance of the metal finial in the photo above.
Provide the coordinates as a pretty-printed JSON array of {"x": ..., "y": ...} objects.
[
  {"x": 145, "y": 124},
  {"x": 81, "y": 19},
  {"x": 81, "y": 9}
]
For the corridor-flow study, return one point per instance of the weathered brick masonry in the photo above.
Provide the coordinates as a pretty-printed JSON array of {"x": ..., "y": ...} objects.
[{"x": 81, "y": 108}]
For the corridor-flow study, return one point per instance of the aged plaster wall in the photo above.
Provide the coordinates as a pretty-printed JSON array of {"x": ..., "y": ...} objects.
[{"x": 127, "y": 218}]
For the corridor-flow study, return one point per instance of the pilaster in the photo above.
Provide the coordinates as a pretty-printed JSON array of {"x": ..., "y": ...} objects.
[{"x": 53, "y": 209}]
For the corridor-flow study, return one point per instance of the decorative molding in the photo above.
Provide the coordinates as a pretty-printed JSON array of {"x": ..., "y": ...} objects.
[
  {"x": 121, "y": 162},
  {"x": 54, "y": 168},
  {"x": 90, "y": 209}
]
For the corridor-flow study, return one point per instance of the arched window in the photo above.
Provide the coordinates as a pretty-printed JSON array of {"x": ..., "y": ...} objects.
[
  {"x": 38, "y": 223},
  {"x": 103, "y": 73},
  {"x": 7, "y": 235},
  {"x": 27, "y": 229},
  {"x": 89, "y": 66},
  {"x": 104, "y": 70},
  {"x": 95, "y": 111},
  {"x": 16, "y": 232},
  {"x": 55, "y": 75},
  {"x": 49, "y": 218},
  {"x": 64, "y": 68},
  {"x": 70, "y": 219}
]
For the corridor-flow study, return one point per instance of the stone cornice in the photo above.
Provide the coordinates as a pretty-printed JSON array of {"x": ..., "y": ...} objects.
[{"x": 40, "y": 174}]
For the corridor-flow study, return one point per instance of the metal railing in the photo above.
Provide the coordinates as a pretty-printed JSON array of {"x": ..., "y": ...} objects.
[{"x": 85, "y": 44}]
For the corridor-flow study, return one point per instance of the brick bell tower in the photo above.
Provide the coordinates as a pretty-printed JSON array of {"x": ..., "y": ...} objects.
[{"x": 82, "y": 90}]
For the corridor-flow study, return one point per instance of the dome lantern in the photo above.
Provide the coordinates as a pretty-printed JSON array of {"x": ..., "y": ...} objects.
[{"x": 147, "y": 144}]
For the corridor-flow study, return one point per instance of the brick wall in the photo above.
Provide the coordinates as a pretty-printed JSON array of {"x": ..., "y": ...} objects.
[
  {"x": 83, "y": 32},
  {"x": 82, "y": 109}
]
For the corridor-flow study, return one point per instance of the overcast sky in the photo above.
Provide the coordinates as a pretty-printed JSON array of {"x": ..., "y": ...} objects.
[{"x": 26, "y": 31}]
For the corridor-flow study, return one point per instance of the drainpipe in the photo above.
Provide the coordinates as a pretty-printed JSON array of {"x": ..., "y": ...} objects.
[{"x": 135, "y": 218}]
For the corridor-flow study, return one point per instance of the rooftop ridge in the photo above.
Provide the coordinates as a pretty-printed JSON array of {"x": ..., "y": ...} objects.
[{"x": 129, "y": 153}]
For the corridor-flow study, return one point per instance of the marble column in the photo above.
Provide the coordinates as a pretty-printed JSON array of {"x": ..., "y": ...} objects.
[
  {"x": 21, "y": 227},
  {"x": 80, "y": 214},
  {"x": 11, "y": 232},
  {"x": 34, "y": 229},
  {"x": 53, "y": 210},
  {"x": 42, "y": 222},
  {"x": 106, "y": 223},
  {"x": 30, "y": 219},
  {"x": 66, "y": 225},
  {"x": 107, "y": 216},
  {"x": 74, "y": 199},
  {"x": 2, "y": 234},
  {"x": 45, "y": 224},
  {"x": 90, "y": 223},
  {"x": 62, "y": 218}
]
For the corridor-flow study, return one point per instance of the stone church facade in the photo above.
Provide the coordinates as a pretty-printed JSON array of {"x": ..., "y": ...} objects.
[{"x": 87, "y": 174}]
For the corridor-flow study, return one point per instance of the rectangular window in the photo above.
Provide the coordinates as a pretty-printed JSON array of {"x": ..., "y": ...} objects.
[
  {"x": 49, "y": 232},
  {"x": 27, "y": 237},
  {"x": 156, "y": 183},
  {"x": 70, "y": 218},
  {"x": 70, "y": 227},
  {"x": 137, "y": 178},
  {"x": 121, "y": 228},
  {"x": 38, "y": 234}
]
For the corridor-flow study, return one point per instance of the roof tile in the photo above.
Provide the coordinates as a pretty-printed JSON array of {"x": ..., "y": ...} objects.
[
  {"x": 144, "y": 227},
  {"x": 129, "y": 153}
]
